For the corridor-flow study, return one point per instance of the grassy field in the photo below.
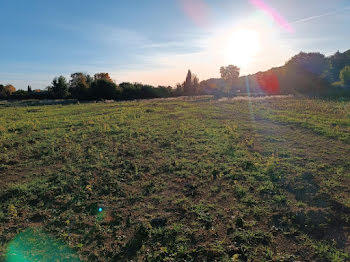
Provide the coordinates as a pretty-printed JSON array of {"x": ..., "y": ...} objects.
[{"x": 239, "y": 180}]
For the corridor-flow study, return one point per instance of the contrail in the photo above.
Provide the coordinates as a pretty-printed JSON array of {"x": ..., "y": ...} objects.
[{"x": 319, "y": 16}]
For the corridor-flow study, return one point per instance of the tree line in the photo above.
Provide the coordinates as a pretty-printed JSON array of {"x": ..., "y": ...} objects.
[
  {"x": 82, "y": 86},
  {"x": 310, "y": 74},
  {"x": 101, "y": 86},
  {"x": 305, "y": 73}
]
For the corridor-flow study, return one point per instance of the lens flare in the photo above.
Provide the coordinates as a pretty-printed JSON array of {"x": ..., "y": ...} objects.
[
  {"x": 251, "y": 111},
  {"x": 269, "y": 83},
  {"x": 35, "y": 245},
  {"x": 101, "y": 212},
  {"x": 196, "y": 10},
  {"x": 260, "y": 4}
]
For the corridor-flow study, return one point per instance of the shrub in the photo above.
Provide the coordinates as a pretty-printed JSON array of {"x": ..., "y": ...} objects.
[
  {"x": 345, "y": 76},
  {"x": 103, "y": 89}
]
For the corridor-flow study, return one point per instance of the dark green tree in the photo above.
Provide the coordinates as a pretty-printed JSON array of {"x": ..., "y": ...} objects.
[
  {"x": 20, "y": 94},
  {"x": 59, "y": 88},
  {"x": 3, "y": 93},
  {"x": 345, "y": 76},
  {"x": 79, "y": 85},
  {"x": 104, "y": 89},
  {"x": 314, "y": 63},
  {"x": 336, "y": 63},
  {"x": 130, "y": 91}
]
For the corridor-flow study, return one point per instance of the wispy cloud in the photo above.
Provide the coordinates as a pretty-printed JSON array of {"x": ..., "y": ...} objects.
[
  {"x": 138, "y": 42},
  {"x": 147, "y": 56}
]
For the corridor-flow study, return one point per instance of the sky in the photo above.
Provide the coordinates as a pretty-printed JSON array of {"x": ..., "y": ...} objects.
[{"x": 157, "y": 41}]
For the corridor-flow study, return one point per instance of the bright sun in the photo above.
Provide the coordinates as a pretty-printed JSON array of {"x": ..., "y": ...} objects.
[{"x": 242, "y": 47}]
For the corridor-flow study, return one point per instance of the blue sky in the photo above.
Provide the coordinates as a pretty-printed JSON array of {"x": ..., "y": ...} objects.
[{"x": 157, "y": 41}]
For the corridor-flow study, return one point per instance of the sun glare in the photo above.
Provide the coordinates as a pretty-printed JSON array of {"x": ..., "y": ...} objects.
[{"x": 242, "y": 47}]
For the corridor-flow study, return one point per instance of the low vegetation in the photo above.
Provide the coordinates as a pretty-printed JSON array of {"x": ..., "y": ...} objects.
[{"x": 190, "y": 179}]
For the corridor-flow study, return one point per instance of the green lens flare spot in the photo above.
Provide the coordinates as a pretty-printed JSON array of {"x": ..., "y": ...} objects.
[{"x": 35, "y": 245}]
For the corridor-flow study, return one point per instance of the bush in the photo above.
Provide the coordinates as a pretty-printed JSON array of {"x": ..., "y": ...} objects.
[
  {"x": 104, "y": 89},
  {"x": 345, "y": 76}
]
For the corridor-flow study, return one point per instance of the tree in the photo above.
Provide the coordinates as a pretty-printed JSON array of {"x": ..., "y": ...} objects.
[
  {"x": 6, "y": 91},
  {"x": 179, "y": 89},
  {"x": 3, "y": 93},
  {"x": 29, "y": 89},
  {"x": 79, "y": 85},
  {"x": 191, "y": 84},
  {"x": 104, "y": 89},
  {"x": 188, "y": 83},
  {"x": 103, "y": 76},
  {"x": 59, "y": 88},
  {"x": 345, "y": 76},
  {"x": 195, "y": 84},
  {"x": 230, "y": 73},
  {"x": 130, "y": 91},
  {"x": 10, "y": 89},
  {"x": 20, "y": 94},
  {"x": 315, "y": 63},
  {"x": 336, "y": 63}
]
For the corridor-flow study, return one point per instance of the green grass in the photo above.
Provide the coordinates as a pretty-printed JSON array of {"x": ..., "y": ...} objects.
[{"x": 236, "y": 181}]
